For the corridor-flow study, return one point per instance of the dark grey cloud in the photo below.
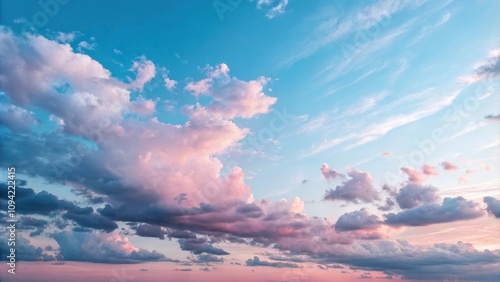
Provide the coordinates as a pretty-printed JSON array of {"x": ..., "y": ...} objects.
[
  {"x": 30, "y": 223},
  {"x": 490, "y": 68},
  {"x": 207, "y": 258},
  {"x": 358, "y": 188},
  {"x": 493, "y": 117},
  {"x": 199, "y": 246},
  {"x": 257, "y": 262},
  {"x": 91, "y": 220},
  {"x": 452, "y": 209},
  {"x": 493, "y": 206},
  {"x": 24, "y": 250},
  {"x": 29, "y": 202},
  {"x": 414, "y": 194},
  {"x": 148, "y": 230},
  {"x": 250, "y": 210},
  {"x": 357, "y": 220}
]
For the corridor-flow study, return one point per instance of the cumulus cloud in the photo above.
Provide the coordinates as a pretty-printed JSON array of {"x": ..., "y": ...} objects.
[
  {"x": 493, "y": 206},
  {"x": 414, "y": 194},
  {"x": 329, "y": 173},
  {"x": 102, "y": 248},
  {"x": 199, "y": 246},
  {"x": 16, "y": 118},
  {"x": 452, "y": 209},
  {"x": 257, "y": 262},
  {"x": 357, "y": 220},
  {"x": 358, "y": 188},
  {"x": 419, "y": 175},
  {"x": 139, "y": 178},
  {"x": 145, "y": 70},
  {"x": 24, "y": 250}
]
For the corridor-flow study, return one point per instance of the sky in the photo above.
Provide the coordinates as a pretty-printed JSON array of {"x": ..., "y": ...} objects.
[{"x": 264, "y": 140}]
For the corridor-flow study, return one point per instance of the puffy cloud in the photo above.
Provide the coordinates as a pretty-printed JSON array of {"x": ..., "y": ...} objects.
[
  {"x": 414, "y": 194},
  {"x": 358, "y": 187},
  {"x": 143, "y": 107},
  {"x": 146, "y": 71},
  {"x": 493, "y": 206},
  {"x": 16, "y": 118},
  {"x": 452, "y": 209},
  {"x": 448, "y": 166},
  {"x": 257, "y": 262},
  {"x": 102, "y": 248},
  {"x": 231, "y": 97},
  {"x": 24, "y": 250},
  {"x": 329, "y": 173},
  {"x": 357, "y": 220}
]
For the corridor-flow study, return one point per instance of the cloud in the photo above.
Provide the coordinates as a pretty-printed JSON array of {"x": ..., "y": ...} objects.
[
  {"x": 24, "y": 250},
  {"x": 274, "y": 7},
  {"x": 333, "y": 24},
  {"x": 138, "y": 178},
  {"x": 452, "y": 209},
  {"x": 85, "y": 45},
  {"x": 493, "y": 117},
  {"x": 65, "y": 37},
  {"x": 329, "y": 173},
  {"x": 357, "y": 220},
  {"x": 42, "y": 203},
  {"x": 102, "y": 248},
  {"x": 146, "y": 71},
  {"x": 200, "y": 245},
  {"x": 207, "y": 258},
  {"x": 488, "y": 69},
  {"x": 231, "y": 97},
  {"x": 257, "y": 262},
  {"x": 358, "y": 187},
  {"x": 419, "y": 175},
  {"x": 91, "y": 220},
  {"x": 428, "y": 169},
  {"x": 448, "y": 166},
  {"x": 250, "y": 210},
  {"x": 148, "y": 230},
  {"x": 493, "y": 206},
  {"x": 415, "y": 194},
  {"x": 16, "y": 118},
  {"x": 29, "y": 223}
]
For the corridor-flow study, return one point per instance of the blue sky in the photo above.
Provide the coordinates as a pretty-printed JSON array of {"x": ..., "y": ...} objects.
[{"x": 372, "y": 86}]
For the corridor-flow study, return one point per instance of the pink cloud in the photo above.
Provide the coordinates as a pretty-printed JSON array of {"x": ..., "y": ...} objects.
[{"x": 448, "y": 166}]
